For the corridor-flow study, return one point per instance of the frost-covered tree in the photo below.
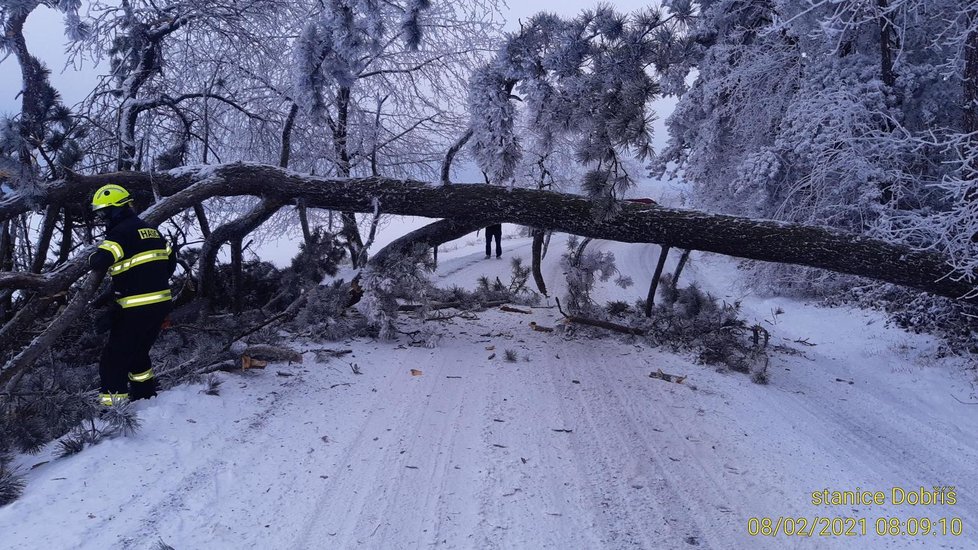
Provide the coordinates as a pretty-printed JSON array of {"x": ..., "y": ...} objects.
[
  {"x": 172, "y": 75},
  {"x": 385, "y": 78},
  {"x": 30, "y": 132},
  {"x": 215, "y": 81},
  {"x": 842, "y": 113},
  {"x": 38, "y": 143},
  {"x": 586, "y": 83},
  {"x": 567, "y": 103},
  {"x": 583, "y": 269}
]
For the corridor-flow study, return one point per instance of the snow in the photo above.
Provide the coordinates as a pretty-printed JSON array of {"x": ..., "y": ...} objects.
[
  {"x": 570, "y": 446},
  {"x": 468, "y": 454}
]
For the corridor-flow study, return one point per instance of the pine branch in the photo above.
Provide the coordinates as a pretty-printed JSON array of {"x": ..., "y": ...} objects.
[{"x": 600, "y": 324}]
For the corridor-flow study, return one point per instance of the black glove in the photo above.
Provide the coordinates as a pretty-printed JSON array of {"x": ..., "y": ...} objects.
[{"x": 103, "y": 299}]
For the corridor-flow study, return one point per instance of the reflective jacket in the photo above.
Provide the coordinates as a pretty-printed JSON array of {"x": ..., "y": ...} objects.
[{"x": 139, "y": 260}]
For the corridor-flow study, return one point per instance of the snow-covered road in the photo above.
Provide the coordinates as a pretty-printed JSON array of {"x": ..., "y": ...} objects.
[{"x": 570, "y": 446}]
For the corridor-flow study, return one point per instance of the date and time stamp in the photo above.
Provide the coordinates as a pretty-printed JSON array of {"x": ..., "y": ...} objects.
[{"x": 921, "y": 523}]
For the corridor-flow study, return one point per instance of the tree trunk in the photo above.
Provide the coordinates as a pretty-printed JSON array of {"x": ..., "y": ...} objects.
[
  {"x": 679, "y": 268},
  {"x": 304, "y": 224},
  {"x": 44, "y": 239},
  {"x": 971, "y": 103},
  {"x": 650, "y": 299},
  {"x": 283, "y": 162},
  {"x": 354, "y": 243},
  {"x": 36, "y": 93},
  {"x": 576, "y": 258},
  {"x": 889, "y": 79},
  {"x": 205, "y": 226},
  {"x": 763, "y": 240},
  {"x": 231, "y": 231},
  {"x": 6, "y": 265},
  {"x": 237, "y": 288},
  {"x": 286, "y": 152},
  {"x": 886, "y": 46},
  {"x": 67, "y": 233},
  {"x": 446, "y": 166},
  {"x": 6, "y": 247},
  {"x": 467, "y": 208},
  {"x": 33, "y": 107},
  {"x": 537, "y": 255},
  {"x": 429, "y": 236},
  {"x": 546, "y": 243},
  {"x": 349, "y": 230}
]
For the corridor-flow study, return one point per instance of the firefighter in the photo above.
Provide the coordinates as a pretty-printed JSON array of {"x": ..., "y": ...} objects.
[{"x": 140, "y": 263}]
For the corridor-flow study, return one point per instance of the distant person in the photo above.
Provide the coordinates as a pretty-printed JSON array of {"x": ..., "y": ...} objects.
[
  {"x": 140, "y": 262},
  {"x": 496, "y": 231}
]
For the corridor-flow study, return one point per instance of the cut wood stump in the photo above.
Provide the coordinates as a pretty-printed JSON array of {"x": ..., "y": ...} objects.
[{"x": 248, "y": 362}]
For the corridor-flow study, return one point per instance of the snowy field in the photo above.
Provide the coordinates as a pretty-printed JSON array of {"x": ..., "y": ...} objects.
[{"x": 571, "y": 446}]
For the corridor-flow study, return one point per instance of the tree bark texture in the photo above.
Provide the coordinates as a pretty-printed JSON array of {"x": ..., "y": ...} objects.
[
  {"x": 44, "y": 239},
  {"x": 650, "y": 299},
  {"x": 764, "y": 240},
  {"x": 679, "y": 267},
  {"x": 11, "y": 373},
  {"x": 231, "y": 231},
  {"x": 67, "y": 233},
  {"x": 537, "y": 260},
  {"x": 237, "y": 278},
  {"x": 971, "y": 102}
]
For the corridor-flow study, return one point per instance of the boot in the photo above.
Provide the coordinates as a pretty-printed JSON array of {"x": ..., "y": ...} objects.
[{"x": 143, "y": 390}]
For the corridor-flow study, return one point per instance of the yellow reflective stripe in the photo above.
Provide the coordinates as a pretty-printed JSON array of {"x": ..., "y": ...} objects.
[
  {"x": 113, "y": 248},
  {"x": 108, "y": 399},
  {"x": 141, "y": 377},
  {"x": 144, "y": 299},
  {"x": 139, "y": 259}
]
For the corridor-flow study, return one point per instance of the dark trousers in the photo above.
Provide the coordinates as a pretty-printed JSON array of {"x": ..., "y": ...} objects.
[
  {"x": 134, "y": 330},
  {"x": 494, "y": 231}
]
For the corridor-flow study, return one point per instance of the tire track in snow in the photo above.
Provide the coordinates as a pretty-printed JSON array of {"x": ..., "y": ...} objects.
[
  {"x": 397, "y": 490},
  {"x": 690, "y": 475},
  {"x": 176, "y": 497},
  {"x": 895, "y": 452},
  {"x": 415, "y": 507},
  {"x": 533, "y": 497},
  {"x": 636, "y": 500},
  {"x": 337, "y": 521},
  {"x": 477, "y": 263}
]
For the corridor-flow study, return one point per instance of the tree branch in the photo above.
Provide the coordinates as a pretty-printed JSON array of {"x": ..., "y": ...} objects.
[
  {"x": 446, "y": 166},
  {"x": 763, "y": 240}
]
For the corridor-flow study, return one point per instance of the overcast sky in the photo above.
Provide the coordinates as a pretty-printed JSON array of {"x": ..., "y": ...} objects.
[{"x": 46, "y": 41}]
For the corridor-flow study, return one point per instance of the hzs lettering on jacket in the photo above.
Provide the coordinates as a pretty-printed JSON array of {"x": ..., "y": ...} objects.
[{"x": 149, "y": 234}]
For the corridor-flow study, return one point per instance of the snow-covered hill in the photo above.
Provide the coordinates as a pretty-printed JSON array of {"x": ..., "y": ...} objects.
[{"x": 571, "y": 446}]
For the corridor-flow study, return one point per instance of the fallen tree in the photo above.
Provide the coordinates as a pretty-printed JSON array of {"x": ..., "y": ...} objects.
[
  {"x": 463, "y": 208},
  {"x": 479, "y": 204}
]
